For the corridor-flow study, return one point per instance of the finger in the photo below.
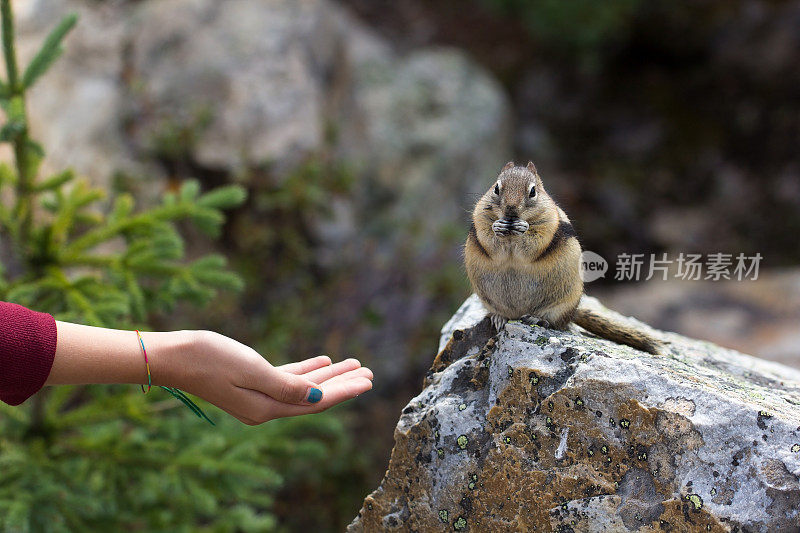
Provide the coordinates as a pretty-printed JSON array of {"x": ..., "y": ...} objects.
[
  {"x": 362, "y": 372},
  {"x": 243, "y": 419},
  {"x": 285, "y": 387},
  {"x": 326, "y": 373},
  {"x": 304, "y": 367},
  {"x": 242, "y": 404},
  {"x": 334, "y": 394},
  {"x": 250, "y": 406},
  {"x": 253, "y": 407}
]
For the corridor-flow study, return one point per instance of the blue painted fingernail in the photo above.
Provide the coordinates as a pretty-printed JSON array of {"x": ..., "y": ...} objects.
[{"x": 314, "y": 395}]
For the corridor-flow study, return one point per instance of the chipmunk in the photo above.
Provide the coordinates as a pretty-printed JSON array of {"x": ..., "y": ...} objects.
[{"x": 523, "y": 260}]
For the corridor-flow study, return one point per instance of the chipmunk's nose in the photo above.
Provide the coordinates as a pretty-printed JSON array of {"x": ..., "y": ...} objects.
[{"x": 511, "y": 213}]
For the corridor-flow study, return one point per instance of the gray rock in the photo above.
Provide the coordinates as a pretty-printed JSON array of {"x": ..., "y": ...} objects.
[
  {"x": 74, "y": 109},
  {"x": 545, "y": 430},
  {"x": 432, "y": 128},
  {"x": 240, "y": 85},
  {"x": 246, "y": 77},
  {"x": 272, "y": 82}
]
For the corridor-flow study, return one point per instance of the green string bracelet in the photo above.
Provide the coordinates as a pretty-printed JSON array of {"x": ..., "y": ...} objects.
[{"x": 177, "y": 393}]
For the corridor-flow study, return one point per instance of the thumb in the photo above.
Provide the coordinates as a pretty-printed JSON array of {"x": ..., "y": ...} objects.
[{"x": 291, "y": 388}]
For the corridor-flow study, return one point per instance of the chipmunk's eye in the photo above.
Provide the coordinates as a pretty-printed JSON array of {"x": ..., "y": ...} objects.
[
  {"x": 497, "y": 189},
  {"x": 532, "y": 194}
]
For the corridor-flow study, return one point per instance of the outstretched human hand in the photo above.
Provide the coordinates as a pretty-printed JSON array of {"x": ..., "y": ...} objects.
[
  {"x": 238, "y": 380},
  {"x": 219, "y": 369}
]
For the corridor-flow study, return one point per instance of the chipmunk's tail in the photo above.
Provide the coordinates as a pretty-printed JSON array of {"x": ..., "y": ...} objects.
[{"x": 617, "y": 330}]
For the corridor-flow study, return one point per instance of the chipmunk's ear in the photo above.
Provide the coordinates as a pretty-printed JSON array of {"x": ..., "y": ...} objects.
[
  {"x": 508, "y": 165},
  {"x": 532, "y": 168}
]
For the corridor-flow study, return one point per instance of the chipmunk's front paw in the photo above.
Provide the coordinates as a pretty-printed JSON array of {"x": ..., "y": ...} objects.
[
  {"x": 504, "y": 227},
  {"x": 500, "y": 227},
  {"x": 530, "y": 320},
  {"x": 519, "y": 226},
  {"x": 498, "y": 321}
]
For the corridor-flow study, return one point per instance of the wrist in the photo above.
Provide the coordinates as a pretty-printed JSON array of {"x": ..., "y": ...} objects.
[{"x": 172, "y": 356}]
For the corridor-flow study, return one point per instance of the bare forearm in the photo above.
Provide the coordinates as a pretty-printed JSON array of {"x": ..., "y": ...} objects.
[
  {"x": 86, "y": 354},
  {"x": 221, "y": 370}
]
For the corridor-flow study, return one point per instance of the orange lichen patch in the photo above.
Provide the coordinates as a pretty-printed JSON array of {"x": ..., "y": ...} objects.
[
  {"x": 404, "y": 485},
  {"x": 689, "y": 515},
  {"x": 678, "y": 427},
  {"x": 635, "y": 419},
  {"x": 600, "y": 445},
  {"x": 603, "y": 513},
  {"x": 513, "y": 497}
]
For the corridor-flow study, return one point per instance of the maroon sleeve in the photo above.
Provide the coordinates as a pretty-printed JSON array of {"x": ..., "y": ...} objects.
[{"x": 27, "y": 349}]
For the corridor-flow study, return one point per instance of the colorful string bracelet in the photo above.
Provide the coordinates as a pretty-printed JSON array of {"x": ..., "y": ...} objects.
[
  {"x": 176, "y": 393},
  {"x": 146, "y": 364}
]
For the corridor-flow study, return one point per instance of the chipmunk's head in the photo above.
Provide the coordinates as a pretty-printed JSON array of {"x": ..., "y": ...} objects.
[{"x": 516, "y": 201}]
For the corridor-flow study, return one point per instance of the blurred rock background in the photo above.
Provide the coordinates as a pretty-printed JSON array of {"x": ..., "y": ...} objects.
[{"x": 365, "y": 129}]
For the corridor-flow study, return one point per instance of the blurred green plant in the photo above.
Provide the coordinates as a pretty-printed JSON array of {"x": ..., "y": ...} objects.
[
  {"x": 277, "y": 244},
  {"x": 579, "y": 28},
  {"x": 105, "y": 457},
  {"x": 75, "y": 260}
]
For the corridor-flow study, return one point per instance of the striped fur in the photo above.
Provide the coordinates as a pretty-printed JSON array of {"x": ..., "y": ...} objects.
[{"x": 536, "y": 273}]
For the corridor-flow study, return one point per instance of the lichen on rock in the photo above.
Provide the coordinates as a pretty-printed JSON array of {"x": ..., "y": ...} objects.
[{"x": 541, "y": 430}]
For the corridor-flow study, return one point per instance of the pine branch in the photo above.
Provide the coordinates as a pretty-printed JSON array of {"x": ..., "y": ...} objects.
[
  {"x": 55, "y": 182},
  {"x": 84, "y": 262},
  {"x": 49, "y": 52},
  {"x": 9, "y": 53}
]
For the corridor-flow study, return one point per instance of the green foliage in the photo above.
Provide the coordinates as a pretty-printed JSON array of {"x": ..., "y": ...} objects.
[
  {"x": 114, "y": 465},
  {"x": 172, "y": 139},
  {"x": 73, "y": 272},
  {"x": 50, "y": 51},
  {"x": 106, "y": 457},
  {"x": 81, "y": 261},
  {"x": 577, "y": 27},
  {"x": 278, "y": 242}
]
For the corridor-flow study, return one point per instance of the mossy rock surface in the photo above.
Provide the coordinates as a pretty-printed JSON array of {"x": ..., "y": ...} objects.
[{"x": 541, "y": 430}]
